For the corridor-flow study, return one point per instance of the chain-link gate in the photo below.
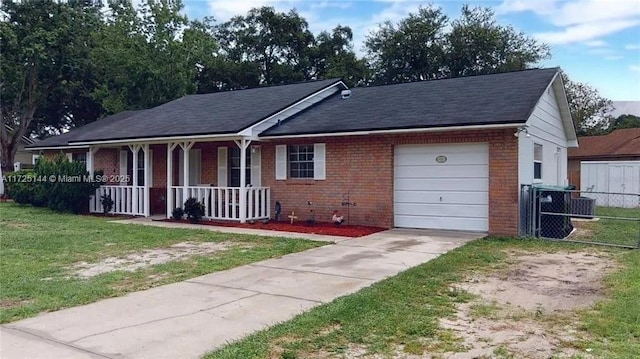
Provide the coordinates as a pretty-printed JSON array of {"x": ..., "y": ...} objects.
[{"x": 558, "y": 213}]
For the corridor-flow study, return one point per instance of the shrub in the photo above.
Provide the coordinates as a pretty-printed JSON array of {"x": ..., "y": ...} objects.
[
  {"x": 21, "y": 186},
  {"x": 107, "y": 203},
  {"x": 58, "y": 184},
  {"x": 193, "y": 209},
  {"x": 177, "y": 213}
]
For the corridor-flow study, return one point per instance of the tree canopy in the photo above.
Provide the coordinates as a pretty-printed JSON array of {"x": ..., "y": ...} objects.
[
  {"x": 428, "y": 45},
  {"x": 589, "y": 110},
  {"x": 67, "y": 63}
]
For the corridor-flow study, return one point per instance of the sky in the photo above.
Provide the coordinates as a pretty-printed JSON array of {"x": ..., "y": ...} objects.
[{"x": 594, "y": 41}]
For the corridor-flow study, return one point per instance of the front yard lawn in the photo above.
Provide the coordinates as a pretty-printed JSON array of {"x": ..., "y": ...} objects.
[
  {"x": 50, "y": 261},
  {"x": 429, "y": 311}
]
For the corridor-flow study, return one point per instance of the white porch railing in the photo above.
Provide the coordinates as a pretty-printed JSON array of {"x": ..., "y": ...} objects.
[
  {"x": 126, "y": 200},
  {"x": 224, "y": 202}
]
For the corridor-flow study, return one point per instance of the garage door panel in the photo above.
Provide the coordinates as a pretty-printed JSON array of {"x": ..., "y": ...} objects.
[
  {"x": 440, "y": 171},
  {"x": 414, "y": 159},
  {"x": 442, "y": 149},
  {"x": 442, "y": 210},
  {"x": 443, "y": 184},
  {"x": 434, "y": 197},
  {"x": 452, "y": 194},
  {"x": 466, "y": 224}
]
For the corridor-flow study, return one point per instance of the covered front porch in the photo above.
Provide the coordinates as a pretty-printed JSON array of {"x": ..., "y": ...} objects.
[{"x": 224, "y": 175}]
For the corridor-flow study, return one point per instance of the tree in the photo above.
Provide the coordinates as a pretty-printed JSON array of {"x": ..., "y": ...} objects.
[
  {"x": 412, "y": 50},
  {"x": 277, "y": 43},
  {"x": 43, "y": 51},
  {"x": 332, "y": 56},
  {"x": 589, "y": 110},
  {"x": 478, "y": 45},
  {"x": 624, "y": 121},
  {"x": 420, "y": 48},
  {"x": 148, "y": 56}
]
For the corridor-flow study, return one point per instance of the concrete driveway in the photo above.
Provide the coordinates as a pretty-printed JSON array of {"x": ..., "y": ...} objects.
[{"x": 188, "y": 319}]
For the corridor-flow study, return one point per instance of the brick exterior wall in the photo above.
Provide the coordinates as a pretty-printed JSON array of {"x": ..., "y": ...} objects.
[{"x": 360, "y": 167}]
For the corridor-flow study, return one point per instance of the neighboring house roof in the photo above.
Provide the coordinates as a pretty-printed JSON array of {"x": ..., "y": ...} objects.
[
  {"x": 79, "y": 133},
  {"x": 504, "y": 98},
  {"x": 25, "y": 140},
  {"x": 625, "y": 108},
  {"x": 619, "y": 143}
]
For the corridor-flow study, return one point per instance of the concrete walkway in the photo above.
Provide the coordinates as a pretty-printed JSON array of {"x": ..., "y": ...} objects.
[{"x": 188, "y": 319}]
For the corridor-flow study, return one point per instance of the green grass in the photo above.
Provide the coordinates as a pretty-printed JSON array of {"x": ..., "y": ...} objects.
[
  {"x": 611, "y": 231},
  {"x": 614, "y": 324},
  {"x": 403, "y": 311},
  {"x": 38, "y": 247}
]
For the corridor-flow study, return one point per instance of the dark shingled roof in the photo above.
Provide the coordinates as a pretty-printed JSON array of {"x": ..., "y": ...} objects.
[
  {"x": 214, "y": 113},
  {"x": 80, "y": 132},
  {"x": 504, "y": 98}
]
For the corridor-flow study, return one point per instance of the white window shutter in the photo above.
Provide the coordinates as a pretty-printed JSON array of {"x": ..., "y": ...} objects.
[
  {"x": 319, "y": 162},
  {"x": 256, "y": 163},
  {"x": 123, "y": 167},
  {"x": 281, "y": 162},
  {"x": 70, "y": 156},
  {"x": 222, "y": 166}
]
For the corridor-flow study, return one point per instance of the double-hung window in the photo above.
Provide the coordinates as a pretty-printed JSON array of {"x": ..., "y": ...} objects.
[
  {"x": 537, "y": 161},
  {"x": 304, "y": 161},
  {"x": 301, "y": 161}
]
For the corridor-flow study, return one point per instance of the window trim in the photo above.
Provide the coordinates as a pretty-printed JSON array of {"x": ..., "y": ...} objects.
[
  {"x": 309, "y": 171},
  {"x": 538, "y": 161}
]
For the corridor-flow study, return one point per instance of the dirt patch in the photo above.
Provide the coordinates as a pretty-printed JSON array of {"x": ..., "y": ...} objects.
[
  {"x": 527, "y": 310},
  {"x": 324, "y": 228},
  {"x": 17, "y": 225},
  {"x": 146, "y": 258},
  {"x": 9, "y": 303}
]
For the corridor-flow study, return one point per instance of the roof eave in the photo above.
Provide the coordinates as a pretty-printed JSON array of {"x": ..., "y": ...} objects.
[
  {"x": 395, "y": 131},
  {"x": 565, "y": 112}
]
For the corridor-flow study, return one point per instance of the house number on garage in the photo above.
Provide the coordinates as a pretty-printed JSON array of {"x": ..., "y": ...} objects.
[{"x": 441, "y": 159}]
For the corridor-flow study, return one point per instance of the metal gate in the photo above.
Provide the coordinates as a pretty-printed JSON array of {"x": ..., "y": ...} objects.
[{"x": 558, "y": 213}]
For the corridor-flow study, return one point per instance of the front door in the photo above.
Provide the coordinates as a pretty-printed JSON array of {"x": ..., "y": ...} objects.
[{"x": 234, "y": 167}]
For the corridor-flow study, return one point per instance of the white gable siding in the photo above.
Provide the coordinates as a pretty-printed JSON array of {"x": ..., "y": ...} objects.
[
  {"x": 546, "y": 128},
  {"x": 258, "y": 128}
]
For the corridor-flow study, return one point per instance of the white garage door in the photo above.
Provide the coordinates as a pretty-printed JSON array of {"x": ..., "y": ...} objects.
[{"x": 442, "y": 186}]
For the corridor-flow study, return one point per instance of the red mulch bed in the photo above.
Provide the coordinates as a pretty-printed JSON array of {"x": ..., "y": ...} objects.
[{"x": 329, "y": 229}]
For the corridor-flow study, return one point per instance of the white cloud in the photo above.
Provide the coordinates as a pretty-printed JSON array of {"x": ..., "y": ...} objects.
[
  {"x": 223, "y": 10},
  {"x": 634, "y": 68},
  {"x": 595, "y": 43},
  {"x": 578, "y": 20},
  {"x": 613, "y": 57},
  {"x": 632, "y": 47},
  {"x": 585, "y": 32},
  {"x": 541, "y": 7}
]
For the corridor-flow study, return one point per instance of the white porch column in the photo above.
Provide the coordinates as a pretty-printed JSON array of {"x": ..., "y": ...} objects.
[
  {"x": 90, "y": 160},
  {"x": 170, "y": 205},
  {"x": 186, "y": 147},
  {"x": 243, "y": 144},
  {"x": 147, "y": 177},
  {"x": 134, "y": 150}
]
